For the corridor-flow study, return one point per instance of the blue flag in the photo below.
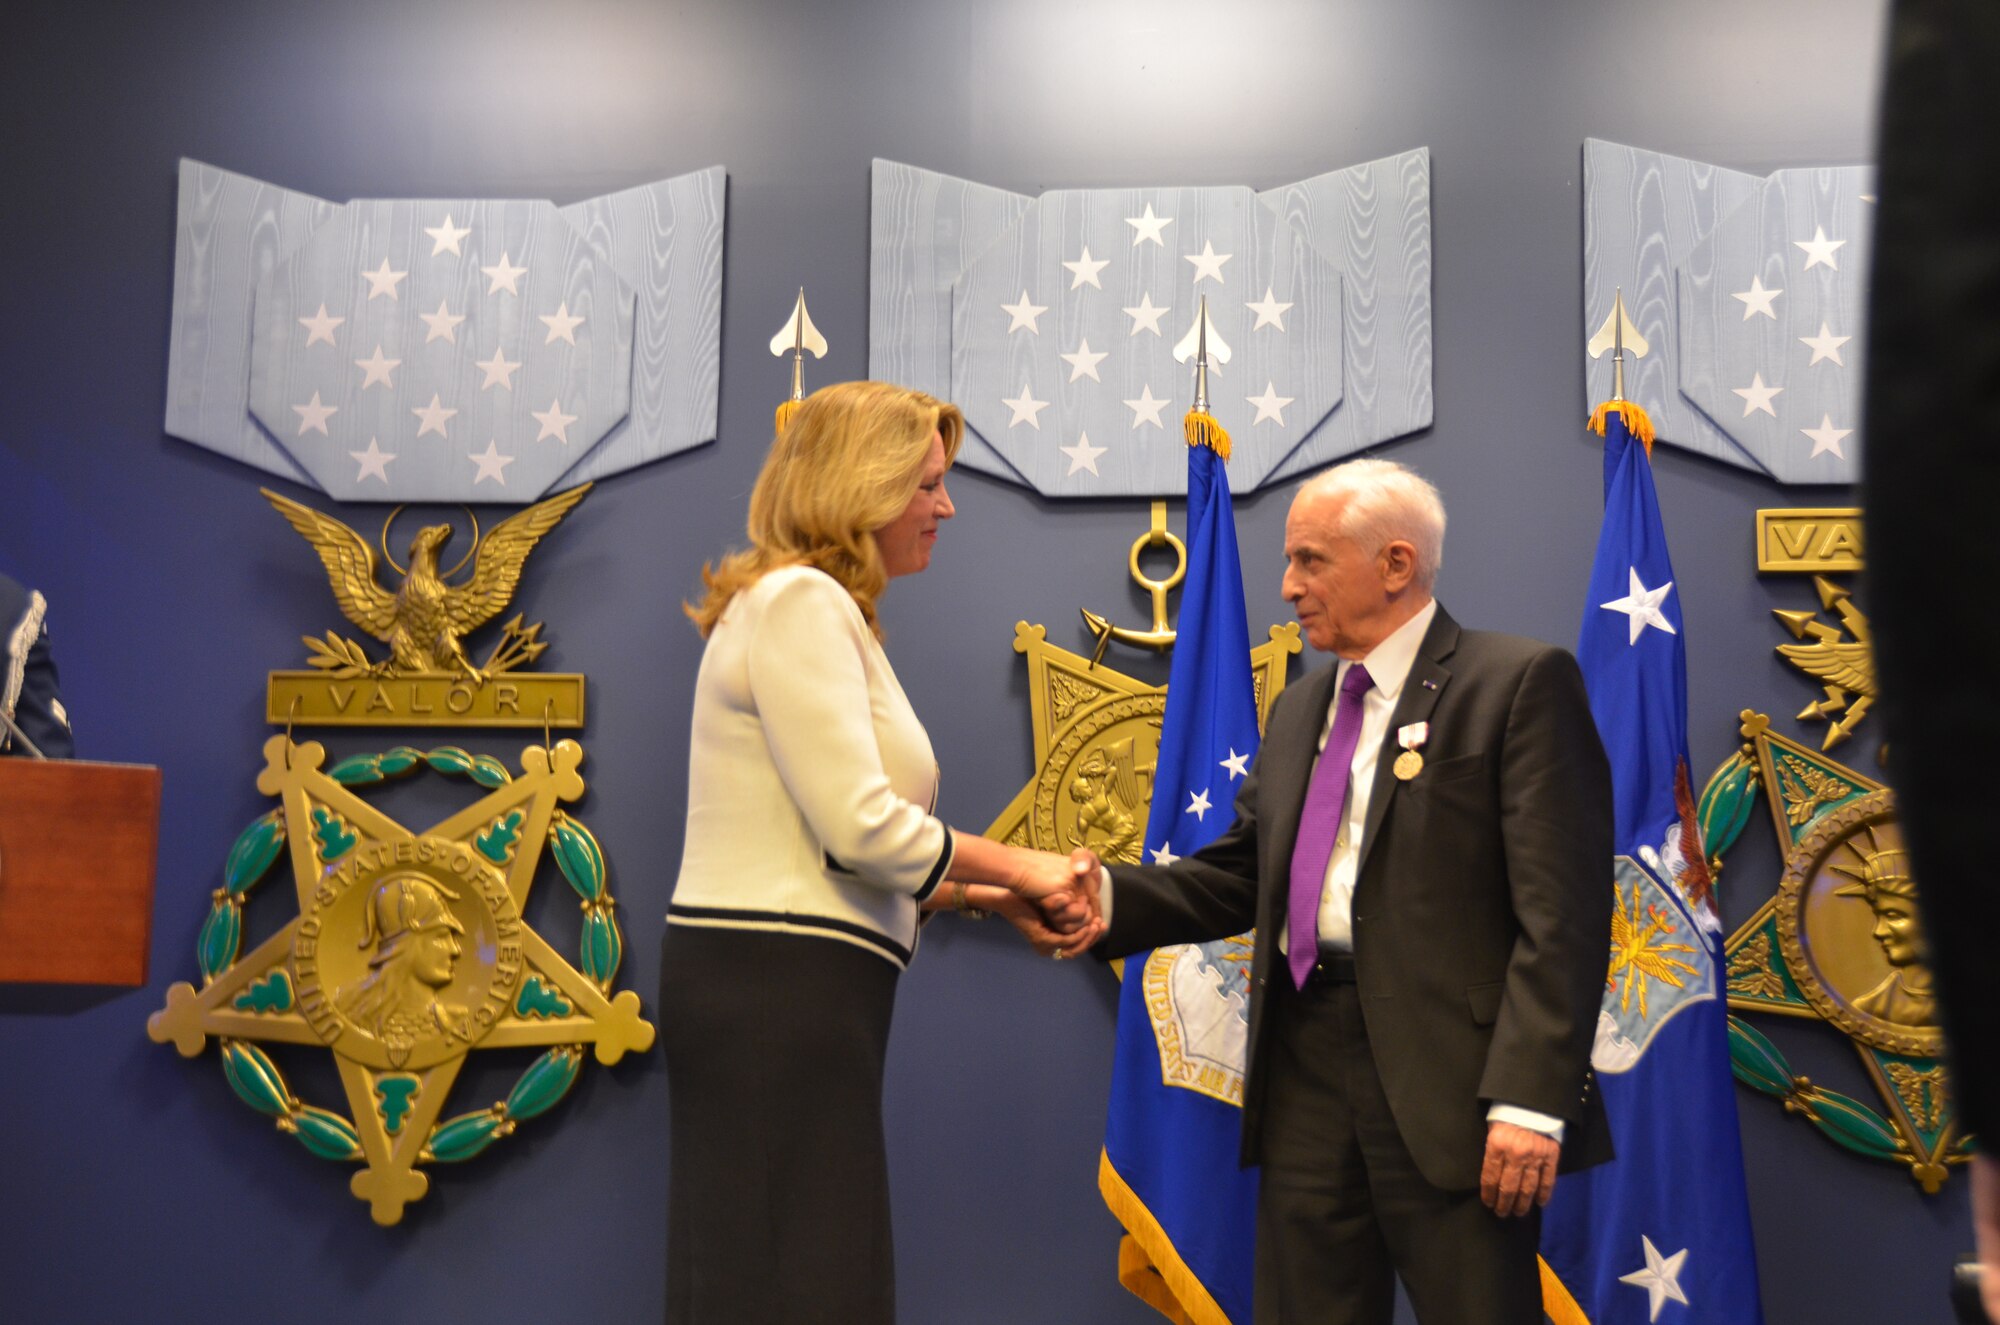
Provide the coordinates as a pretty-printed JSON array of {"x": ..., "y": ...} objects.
[
  {"x": 1169, "y": 1170},
  {"x": 1662, "y": 1233}
]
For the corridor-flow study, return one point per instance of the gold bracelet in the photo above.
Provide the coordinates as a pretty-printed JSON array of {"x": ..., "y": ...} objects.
[{"x": 963, "y": 907}]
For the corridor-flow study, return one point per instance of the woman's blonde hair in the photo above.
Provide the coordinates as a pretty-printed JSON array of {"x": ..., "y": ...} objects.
[{"x": 846, "y": 465}]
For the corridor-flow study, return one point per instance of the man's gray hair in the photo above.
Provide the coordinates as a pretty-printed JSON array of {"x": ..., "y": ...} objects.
[{"x": 1387, "y": 501}]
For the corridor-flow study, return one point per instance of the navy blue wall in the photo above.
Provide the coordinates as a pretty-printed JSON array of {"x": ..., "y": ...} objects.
[{"x": 134, "y": 1187}]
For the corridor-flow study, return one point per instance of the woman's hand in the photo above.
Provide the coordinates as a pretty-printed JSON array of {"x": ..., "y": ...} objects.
[
  {"x": 1056, "y": 883},
  {"x": 1033, "y": 924}
]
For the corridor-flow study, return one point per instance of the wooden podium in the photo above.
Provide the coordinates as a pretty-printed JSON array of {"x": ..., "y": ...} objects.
[{"x": 78, "y": 844}]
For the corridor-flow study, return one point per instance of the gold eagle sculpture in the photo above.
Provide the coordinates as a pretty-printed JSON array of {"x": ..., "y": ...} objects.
[{"x": 425, "y": 619}]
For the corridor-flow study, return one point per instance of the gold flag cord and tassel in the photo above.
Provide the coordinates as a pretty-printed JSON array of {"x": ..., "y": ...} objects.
[{"x": 1637, "y": 421}]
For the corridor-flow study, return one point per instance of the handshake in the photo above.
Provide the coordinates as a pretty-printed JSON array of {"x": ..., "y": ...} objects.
[{"x": 1052, "y": 899}]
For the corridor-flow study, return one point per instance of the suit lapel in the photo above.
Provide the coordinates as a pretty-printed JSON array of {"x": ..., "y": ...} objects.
[{"x": 1421, "y": 690}]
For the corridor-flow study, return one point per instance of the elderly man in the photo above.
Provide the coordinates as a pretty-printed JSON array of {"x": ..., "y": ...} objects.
[{"x": 1423, "y": 847}]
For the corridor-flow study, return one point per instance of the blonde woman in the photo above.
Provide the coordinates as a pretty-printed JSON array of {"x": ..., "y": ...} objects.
[{"x": 811, "y": 854}]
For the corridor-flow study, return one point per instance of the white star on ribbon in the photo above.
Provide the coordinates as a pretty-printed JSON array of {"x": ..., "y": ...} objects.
[
  {"x": 1757, "y": 299},
  {"x": 376, "y": 369},
  {"x": 1084, "y": 270},
  {"x": 1660, "y": 1278},
  {"x": 433, "y": 416},
  {"x": 1270, "y": 405},
  {"x": 1083, "y": 455},
  {"x": 1826, "y": 345},
  {"x": 374, "y": 461},
  {"x": 1198, "y": 805},
  {"x": 554, "y": 422},
  {"x": 1238, "y": 765},
  {"x": 1083, "y": 363},
  {"x": 383, "y": 281},
  {"x": 1819, "y": 249},
  {"x": 1270, "y": 311},
  {"x": 1026, "y": 408},
  {"x": 446, "y": 239},
  {"x": 499, "y": 371},
  {"x": 561, "y": 325},
  {"x": 1757, "y": 396},
  {"x": 1826, "y": 437},
  {"x": 1642, "y": 606},
  {"x": 1207, "y": 263},
  {"x": 1146, "y": 409},
  {"x": 504, "y": 275},
  {"x": 1147, "y": 228},
  {"x": 313, "y": 416},
  {"x": 1024, "y": 314},
  {"x": 492, "y": 465},
  {"x": 319, "y": 327},
  {"x": 443, "y": 324},
  {"x": 1163, "y": 854},
  {"x": 1146, "y": 317}
]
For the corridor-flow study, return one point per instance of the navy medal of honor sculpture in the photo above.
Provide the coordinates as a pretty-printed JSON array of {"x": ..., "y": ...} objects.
[{"x": 410, "y": 948}]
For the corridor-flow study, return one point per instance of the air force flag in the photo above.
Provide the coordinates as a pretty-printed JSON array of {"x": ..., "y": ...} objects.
[
  {"x": 1662, "y": 1233},
  {"x": 1169, "y": 1170}
]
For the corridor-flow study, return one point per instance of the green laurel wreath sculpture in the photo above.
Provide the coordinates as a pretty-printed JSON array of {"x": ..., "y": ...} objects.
[{"x": 257, "y": 1080}]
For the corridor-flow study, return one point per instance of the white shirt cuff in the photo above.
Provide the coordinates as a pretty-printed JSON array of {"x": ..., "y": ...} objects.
[
  {"x": 1528, "y": 1118},
  {"x": 1104, "y": 894}
]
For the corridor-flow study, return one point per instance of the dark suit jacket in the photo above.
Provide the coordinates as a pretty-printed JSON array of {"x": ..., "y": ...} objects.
[
  {"x": 28, "y": 676},
  {"x": 1482, "y": 908}
]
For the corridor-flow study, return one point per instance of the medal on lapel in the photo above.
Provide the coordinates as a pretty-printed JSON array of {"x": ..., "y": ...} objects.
[{"x": 1410, "y": 763}]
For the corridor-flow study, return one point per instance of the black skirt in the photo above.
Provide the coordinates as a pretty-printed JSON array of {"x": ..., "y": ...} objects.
[{"x": 778, "y": 1207}]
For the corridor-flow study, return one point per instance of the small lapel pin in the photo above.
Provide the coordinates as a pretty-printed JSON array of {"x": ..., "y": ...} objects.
[{"x": 1430, "y": 685}]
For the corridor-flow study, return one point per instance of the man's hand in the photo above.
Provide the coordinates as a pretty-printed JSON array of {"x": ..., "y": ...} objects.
[
  {"x": 1986, "y": 1227},
  {"x": 1520, "y": 1169}
]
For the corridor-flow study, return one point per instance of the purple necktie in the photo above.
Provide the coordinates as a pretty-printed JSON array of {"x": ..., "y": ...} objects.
[{"x": 1326, "y": 810}]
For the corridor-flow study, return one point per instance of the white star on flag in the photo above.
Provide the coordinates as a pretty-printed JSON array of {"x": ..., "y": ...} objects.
[
  {"x": 1026, "y": 408},
  {"x": 1083, "y": 363},
  {"x": 1146, "y": 409},
  {"x": 433, "y": 416},
  {"x": 1819, "y": 249},
  {"x": 1163, "y": 854},
  {"x": 1270, "y": 311},
  {"x": 561, "y": 325},
  {"x": 443, "y": 324},
  {"x": 374, "y": 461},
  {"x": 554, "y": 422},
  {"x": 1757, "y": 396},
  {"x": 1238, "y": 765},
  {"x": 1207, "y": 263},
  {"x": 1198, "y": 805},
  {"x": 1147, "y": 228},
  {"x": 1660, "y": 1278},
  {"x": 499, "y": 372},
  {"x": 383, "y": 281},
  {"x": 1024, "y": 314},
  {"x": 504, "y": 275},
  {"x": 1083, "y": 455},
  {"x": 492, "y": 465},
  {"x": 1757, "y": 299},
  {"x": 313, "y": 416},
  {"x": 1084, "y": 270},
  {"x": 1270, "y": 405},
  {"x": 376, "y": 369},
  {"x": 319, "y": 327},
  {"x": 1642, "y": 606},
  {"x": 1826, "y": 345},
  {"x": 1146, "y": 317},
  {"x": 1826, "y": 437},
  {"x": 446, "y": 238}
]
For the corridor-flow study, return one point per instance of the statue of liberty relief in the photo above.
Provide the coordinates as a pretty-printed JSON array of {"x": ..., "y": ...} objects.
[
  {"x": 413, "y": 941},
  {"x": 1905, "y": 996},
  {"x": 1114, "y": 793}
]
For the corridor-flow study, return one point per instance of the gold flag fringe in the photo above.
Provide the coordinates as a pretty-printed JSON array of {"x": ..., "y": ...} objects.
[
  {"x": 1203, "y": 430},
  {"x": 1636, "y": 421},
  {"x": 786, "y": 412}
]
